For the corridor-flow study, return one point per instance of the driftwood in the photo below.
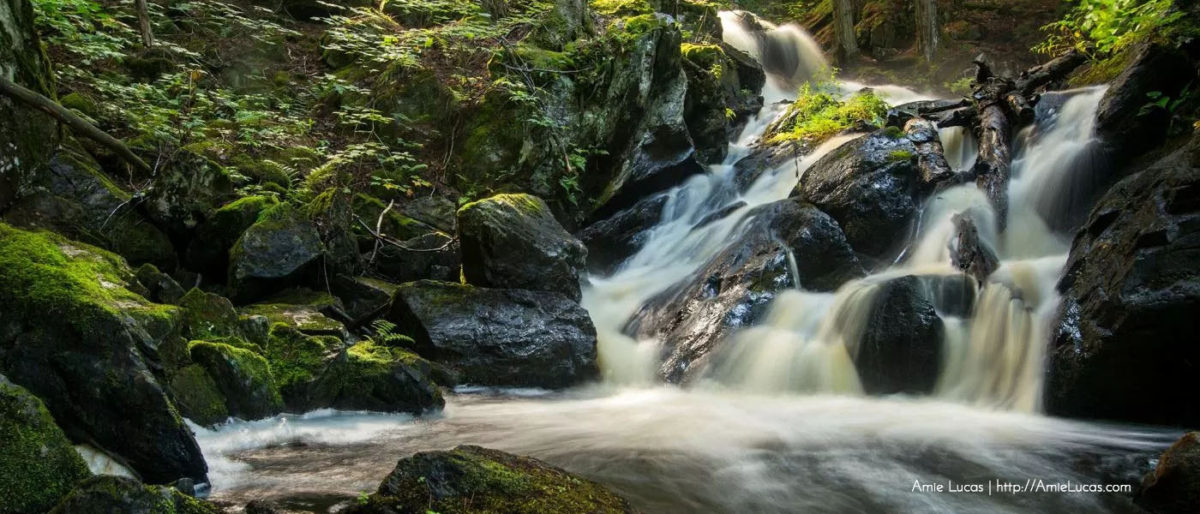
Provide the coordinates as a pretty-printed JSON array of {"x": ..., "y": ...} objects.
[
  {"x": 931, "y": 157},
  {"x": 70, "y": 119}
]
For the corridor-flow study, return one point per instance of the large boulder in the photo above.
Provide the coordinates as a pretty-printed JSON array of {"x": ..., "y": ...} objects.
[
  {"x": 39, "y": 466},
  {"x": 208, "y": 253},
  {"x": 733, "y": 289},
  {"x": 512, "y": 241},
  {"x": 501, "y": 337},
  {"x": 243, "y": 377},
  {"x": 1131, "y": 292},
  {"x": 27, "y": 136},
  {"x": 872, "y": 187},
  {"x": 470, "y": 479},
  {"x": 1128, "y": 119},
  {"x": 900, "y": 350},
  {"x": 73, "y": 197},
  {"x": 109, "y": 494},
  {"x": 187, "y": 191},
  {"x": 1174, "y": 485},
  {"x": 273, "y": 253},
  {"x": 74, "y": 335}
]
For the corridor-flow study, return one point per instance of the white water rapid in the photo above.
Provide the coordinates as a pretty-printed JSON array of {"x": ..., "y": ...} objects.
[{"x": 779, "y": 423}]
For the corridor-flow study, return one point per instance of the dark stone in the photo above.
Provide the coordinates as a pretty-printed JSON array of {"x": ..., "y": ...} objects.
[
  {"x": 872, "y": 187},
  {"x": 512, "y": 241},
  {"x": 1131, "y": 292},
  {"x": 108, "y": 494},
  {"x": 900, "y": 349},
  {"x": 186, "y": 192},
  {"x": 208, "y": 252},
  {"x": 272, "y": 254},
  {"x": 609, "y": 242},
  {"x": 28, "y": 136},
  {"x": 433, "y": 256},
  {"x": 765, "y": 158},
  {"x": 160, "y": 287},
  {"x": 733, "y": 289},
  {"x": 968, "y": 253},
  {"x": 1126, "y": 120},
  {"x": 1174, "y": 485},
  {"x": 502, "y": 337},
  {"x": 364, "y": 298},
  {"x": 243, "y": 377},
  {"x": 470, "y": 480}
]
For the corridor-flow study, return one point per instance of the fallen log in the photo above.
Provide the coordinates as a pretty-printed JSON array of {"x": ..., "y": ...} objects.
[{"x": 995, "y": 158}]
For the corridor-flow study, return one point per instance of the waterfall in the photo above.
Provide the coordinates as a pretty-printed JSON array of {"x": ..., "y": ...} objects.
[{"x": 806, "y": 343}]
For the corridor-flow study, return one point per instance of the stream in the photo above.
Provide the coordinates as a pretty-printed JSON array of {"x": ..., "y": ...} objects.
[{"x": 779, "y": 423}]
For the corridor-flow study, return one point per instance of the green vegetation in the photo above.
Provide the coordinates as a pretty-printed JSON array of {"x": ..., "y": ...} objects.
[
  {"x": 1110, "y": 26},
  {"x": 38, "y": 465},
  {"x": 817, "y": 115}
]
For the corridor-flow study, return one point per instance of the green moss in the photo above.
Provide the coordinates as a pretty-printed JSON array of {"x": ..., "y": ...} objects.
[
  {"x": 45, "y": 276},
  {"x": 306, "y": 318},
  {"x": 109, "y": 493},
  {"x": 395, "y": 224},
  {"x": 893, "y": 132},
  {"x": 470, "y": 480},
  {"x": 209, "y": 316},
  {"x": 38, "y": 465},
  {"x": 197, "y": 395},
  {"x": 520, "y": 202},
  {"x": 900, "y": 155},
  {"x": 297, "y": 359},
  {"x": 816, "y": 115},
  {"x": 622, "y": 7},
  {"x": 708, "y": 57},
  {"x": 80, "y": 102},
  {"x": 242, "y": 375}
]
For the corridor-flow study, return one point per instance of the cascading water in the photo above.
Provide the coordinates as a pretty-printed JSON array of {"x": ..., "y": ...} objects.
[{"x": 779, "y": 422}]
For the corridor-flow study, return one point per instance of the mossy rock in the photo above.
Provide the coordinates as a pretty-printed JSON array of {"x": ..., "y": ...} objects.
[
  {"x": 243, "y": 376},
  {"x": 209, "y": 316},
  {"x": 273, "y": 253},
  {"x": 109, "y": 494},
  {"x": 394, "y": 224},
  {"x": 378, "y": 378},
  {"x": 28, "y": 136},
  {"x": 160, "y": 287},
  {"x": 298, "y": 360},
  {"x": 38, "y": 465},
  {"x": 187, "y": 191},
  {"x": 209, "y": 251},
  {"x": 307, "y": 318},
  {"x": 622, "y": 7},
  {"x": 471, "y": 479},
  {"x": 68, "y": 313},
  {"x": 197, "y": 395}
]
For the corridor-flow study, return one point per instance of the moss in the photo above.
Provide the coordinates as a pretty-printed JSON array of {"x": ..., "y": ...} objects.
[
  {"x": 38, "y": 465},
  {"x": 900, "y": 156},
  {"x": 242, "y": 375},
  {"x": 395, "y": 224},
  {"x": 470, "y": 479},
  {"x": 622, "y": 7},
  {"x": 80, "y": 102},
  {"x": 520, "y": 202},
  {"x": 305, "y": 317},
  {"x": 197, "y": 395},
  {"x": 708, "y": 57},
  {"x": 209, "y": 315},
  {"x": 816, "y": 115},
  {"x": 893, "y": 132},
  {"x": 297, "y": 359},
  {"x": 120, "y": 494},
  {"x": 45, "y": 276}
]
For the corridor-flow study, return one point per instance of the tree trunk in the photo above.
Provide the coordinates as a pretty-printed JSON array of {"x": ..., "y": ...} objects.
[
  {"x": 843, "y": 31},
  {"x": 143, "y": 14},
  {"x": 927, "y": 28},
  {"x": 995, "y": 158}
]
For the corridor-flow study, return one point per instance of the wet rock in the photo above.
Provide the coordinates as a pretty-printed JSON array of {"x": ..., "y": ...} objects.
[
  {"x": 28, "y": 137},
  {"x": 208, "y": 316},
  {"x": 208, "y": 252},
  {"x": 197, "y": 395},
  {"x": 611, "y": 241},
  {"x": 970, "y": 254},
  {"x": 310, "y": 312},
  {"x": 364, "y": 298},
  {"x": 705, "y": 104},
  {"x": 1126, "y": 118},
  {"x": 1130, "y": 289},
  {"x": 470, "y": 479},
  {"x": 160, "y": 287},
  {"x": 243, "y": 377},
  {"x": 900, "y": 349},
  {"x": 76, "y": 199},
  {"x": 512, "y": 241},
  {"x": 74, "y": 335},
  {"x": 767, "y": 157},
  {"x": 107, "y": 494},
  {"x": 501, "y": 337},
  {"x": 899, "y": 115},
  {"x": 434, "y": 256},
  {"x": 39, "y": 465},
  {"x": 272, "y": 254},
  {"x": 733, "y": 289},
  {"x": 872, "y": 187},
  {"x": 1174, "y": 485}
]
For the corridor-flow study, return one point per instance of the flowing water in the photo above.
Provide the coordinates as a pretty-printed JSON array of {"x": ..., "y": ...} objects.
[{"x": 779, "y": 422}]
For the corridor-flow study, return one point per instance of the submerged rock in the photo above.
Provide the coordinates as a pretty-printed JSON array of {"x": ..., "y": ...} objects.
[
  {"x": 74, "y": 335},
  {"x": 470, "y": 479},
  {"x": 1174, "y": 485},
  {"x": 901, "y": 346},
  {"x": 512, "y": 241},
  {"x": 109, "y": 494},
  {"x": 38, "y": 465},
  {"x": 501, "y": 337},
  {"x": 733, "y": 289},
  {"x": 872, "y": 187},
  {"x": 1131, "y": 292}
]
